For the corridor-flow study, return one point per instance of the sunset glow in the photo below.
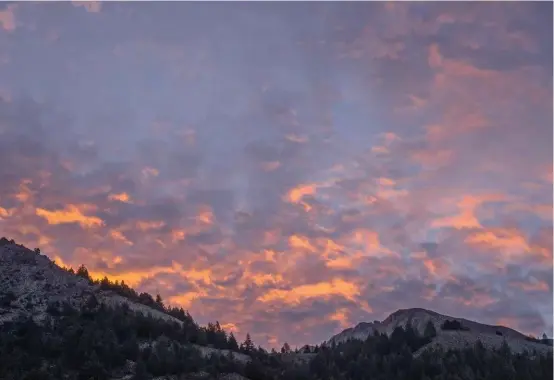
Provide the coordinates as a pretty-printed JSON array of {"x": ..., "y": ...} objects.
[{"x": 270, "y": 165}]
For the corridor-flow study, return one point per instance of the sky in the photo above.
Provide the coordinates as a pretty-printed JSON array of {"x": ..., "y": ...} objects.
[{"x": 287, "y": 169}]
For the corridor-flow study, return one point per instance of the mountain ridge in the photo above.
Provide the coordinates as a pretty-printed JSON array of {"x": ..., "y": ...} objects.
[
  {"x": 467, "y": 333},
  {"x": 35, "y": 289},
  {"x": 42, "y": 271}
]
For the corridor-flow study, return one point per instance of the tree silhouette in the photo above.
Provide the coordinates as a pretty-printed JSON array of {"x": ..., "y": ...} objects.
[{"x": 285, "y": 349}]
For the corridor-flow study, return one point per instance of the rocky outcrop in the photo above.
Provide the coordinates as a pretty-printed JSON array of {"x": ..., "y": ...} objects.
[{"x": 29, "y": 282}]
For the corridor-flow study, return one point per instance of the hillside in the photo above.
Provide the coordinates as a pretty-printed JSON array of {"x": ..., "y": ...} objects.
[
  {"x": 57, "y": 323},
  {"x": 468, "y": 335},
  {"x": 33, "y": 288}
]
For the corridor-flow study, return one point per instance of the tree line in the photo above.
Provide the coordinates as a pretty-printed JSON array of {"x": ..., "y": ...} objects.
[{"x": 97, "y": 342}]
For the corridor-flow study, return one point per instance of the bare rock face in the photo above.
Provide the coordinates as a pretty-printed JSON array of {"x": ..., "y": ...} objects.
[
  {"x": 29, "y": 282},
  {"x": 490, "y": 336}
]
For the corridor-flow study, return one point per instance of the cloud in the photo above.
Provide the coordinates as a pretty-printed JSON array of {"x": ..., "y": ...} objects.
[
  {"x": 288, "y": 169},
  {"x": 72, "y": 214},
  {"x": 296, "y": 295},
  {"x": 7, "y": 17},
  {"x": 121, "y": 197}
]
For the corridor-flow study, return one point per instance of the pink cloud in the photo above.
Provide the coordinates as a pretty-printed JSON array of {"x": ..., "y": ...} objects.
[
  {"x": 7, "y": 18},
  {"x": 283, "y": 186}
]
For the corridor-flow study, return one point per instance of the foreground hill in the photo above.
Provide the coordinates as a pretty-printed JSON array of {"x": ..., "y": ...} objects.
[
  {"x": 35, "y": 292},
  {"x": 448, "y": 332},
  {"x": 56, "y": 323}
]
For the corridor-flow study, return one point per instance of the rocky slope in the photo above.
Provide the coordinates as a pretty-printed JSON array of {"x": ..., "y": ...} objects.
[
  {"x": 490, "y": 336},
  {"x": 30, "y": 282}
]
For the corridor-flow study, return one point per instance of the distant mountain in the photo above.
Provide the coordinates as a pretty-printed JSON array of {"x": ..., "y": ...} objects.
[{"x": 463, "y": 333}]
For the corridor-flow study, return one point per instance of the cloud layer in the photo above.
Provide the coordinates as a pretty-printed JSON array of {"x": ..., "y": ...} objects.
[{"x": 287, "y": 169}]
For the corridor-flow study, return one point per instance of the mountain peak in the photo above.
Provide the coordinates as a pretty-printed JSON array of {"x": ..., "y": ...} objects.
[{"x": 403, "y": 313}]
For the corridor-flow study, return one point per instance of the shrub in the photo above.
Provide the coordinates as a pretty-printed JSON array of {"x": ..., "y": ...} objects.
[{"x": 453, "y": 325}]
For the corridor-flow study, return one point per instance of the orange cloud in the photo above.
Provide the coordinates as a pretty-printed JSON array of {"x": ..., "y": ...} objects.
[
  {"x": 437, "y": 267},
  {"x": 294, "y": 296},
  {"x": 71, "y": 214},
  {"x": 507, "y": 240},
  {"x": 58, "y": 260},
  {"x": 133, "y": 277},
  {"x": 341, "y": 316},
  {"x": 230, "y": 327},
  {"x": 367, "y": 243},
  {"x": 185, "y": 299},
  {"x": 4, "y": 213},
  {"x": 178, "y": 235},
  {"x": 269, "y": 255},
  {"x": 343, "y": 262},
  {"x": 196, "y": 275},
  {"x": 296, "y": 194},
  {"x": 263, "y": 278},
  {"x": 121, "y": 197},
  {"x": 205, "y": 215},
  {"x": 118, "y": 235},
  {"x": 24, "y": 194},
  {"x": 466, "y": 217},
  {"x": 301, "y": 243}
]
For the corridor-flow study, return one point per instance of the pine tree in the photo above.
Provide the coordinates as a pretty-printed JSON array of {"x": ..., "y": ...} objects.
[
  {"x": 248, "y": 345},
  {"x": 232, "y": 343},
  {"x": 159, "y": 301},
  {"x": 83, "y": 272}
]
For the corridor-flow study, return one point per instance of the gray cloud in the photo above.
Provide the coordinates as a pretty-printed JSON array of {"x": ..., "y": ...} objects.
[{"x": 162, "y": 144}]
